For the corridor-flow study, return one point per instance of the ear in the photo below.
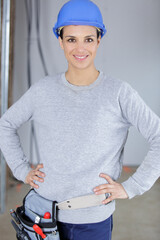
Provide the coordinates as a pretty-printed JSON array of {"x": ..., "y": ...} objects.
[
  {"x": 98, "y": 41},
  {"x": 61, "y": 42}
]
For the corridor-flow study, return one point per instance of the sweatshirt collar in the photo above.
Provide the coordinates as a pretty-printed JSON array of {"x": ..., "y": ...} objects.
[{"x": 84, "y": 87}]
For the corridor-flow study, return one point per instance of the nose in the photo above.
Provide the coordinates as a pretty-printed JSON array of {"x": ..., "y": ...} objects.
[{"x": 80, "y": 47}]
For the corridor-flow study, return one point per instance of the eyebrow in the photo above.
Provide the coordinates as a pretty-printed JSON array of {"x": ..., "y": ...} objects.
[{"x": 85, "y": 36}]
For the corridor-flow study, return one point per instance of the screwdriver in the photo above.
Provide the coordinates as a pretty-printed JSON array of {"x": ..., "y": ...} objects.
[
  {"x": 47, "y": 215},
  {"x": 38, "y": 230}
]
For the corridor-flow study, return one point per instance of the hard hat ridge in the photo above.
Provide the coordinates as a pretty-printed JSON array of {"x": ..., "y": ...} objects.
[{"x": 79, "y": 12}]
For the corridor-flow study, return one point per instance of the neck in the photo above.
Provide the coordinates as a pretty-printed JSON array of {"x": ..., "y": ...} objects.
[{"x": 81, "y": 77}]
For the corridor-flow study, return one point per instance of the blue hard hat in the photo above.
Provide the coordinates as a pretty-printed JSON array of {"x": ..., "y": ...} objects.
[{"x": 79, "y": 12}]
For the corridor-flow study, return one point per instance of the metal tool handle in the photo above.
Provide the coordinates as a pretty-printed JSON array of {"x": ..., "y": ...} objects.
[{"x": 21, "y": 234}]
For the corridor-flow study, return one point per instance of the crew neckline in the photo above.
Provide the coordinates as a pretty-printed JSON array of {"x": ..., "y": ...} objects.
[{"x": 84, "y": 87}]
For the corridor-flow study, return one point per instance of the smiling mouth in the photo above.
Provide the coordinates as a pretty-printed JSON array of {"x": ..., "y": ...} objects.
[{"x": 80, "y": 57}]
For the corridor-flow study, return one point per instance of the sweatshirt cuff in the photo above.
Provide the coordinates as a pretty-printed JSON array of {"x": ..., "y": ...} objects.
[
  {"x": 132, "y": 188},
  {"x": 21, "y": 173}
]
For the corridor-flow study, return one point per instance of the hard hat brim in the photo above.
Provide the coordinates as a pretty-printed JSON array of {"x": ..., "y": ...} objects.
[{"x": 94, "y": 24}]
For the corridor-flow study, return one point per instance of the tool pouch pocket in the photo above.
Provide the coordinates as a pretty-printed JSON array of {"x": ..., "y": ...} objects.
[{"x": 32, "y": 213}]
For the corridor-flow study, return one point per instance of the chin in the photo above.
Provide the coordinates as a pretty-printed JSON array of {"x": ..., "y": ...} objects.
[{"x": 81, "y": 66}]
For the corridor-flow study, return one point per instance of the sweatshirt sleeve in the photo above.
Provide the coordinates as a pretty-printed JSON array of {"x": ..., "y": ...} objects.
[
  {"x": 137, "y": 113},
  {"x": 10, "y": 145}
]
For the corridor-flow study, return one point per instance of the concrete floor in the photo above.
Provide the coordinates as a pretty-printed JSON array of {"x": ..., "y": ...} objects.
[{"x": 136, "y": 219}]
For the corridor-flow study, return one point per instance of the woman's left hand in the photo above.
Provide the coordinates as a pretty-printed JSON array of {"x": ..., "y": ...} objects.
[{"x": 116, "y": 190}]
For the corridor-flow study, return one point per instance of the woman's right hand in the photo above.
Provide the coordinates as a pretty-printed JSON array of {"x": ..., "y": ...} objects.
[{"x": 35, "y": 175}]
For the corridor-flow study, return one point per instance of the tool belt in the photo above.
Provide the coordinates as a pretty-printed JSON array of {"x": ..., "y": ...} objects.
[{"x": 36, "y": 219}]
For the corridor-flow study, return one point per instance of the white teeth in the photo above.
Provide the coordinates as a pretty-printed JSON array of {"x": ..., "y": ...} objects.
[{"x": 80, "y": 57}]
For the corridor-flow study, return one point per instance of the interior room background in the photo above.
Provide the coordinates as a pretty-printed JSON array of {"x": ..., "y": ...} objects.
[{"x": 129, "y": 51}]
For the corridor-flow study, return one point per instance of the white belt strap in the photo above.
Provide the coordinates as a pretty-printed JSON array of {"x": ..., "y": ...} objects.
[{"x": 90, "y": 200}]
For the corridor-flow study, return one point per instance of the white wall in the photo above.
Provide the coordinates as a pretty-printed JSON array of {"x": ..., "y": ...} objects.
[{"x": 130, "y": 51}]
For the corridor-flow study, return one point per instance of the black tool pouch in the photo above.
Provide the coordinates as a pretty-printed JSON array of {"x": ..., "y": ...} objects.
[{"x": 32, "y": 212}]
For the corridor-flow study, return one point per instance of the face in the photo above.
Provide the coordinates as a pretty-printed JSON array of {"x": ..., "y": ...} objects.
[{"x": 80, "y": 45}]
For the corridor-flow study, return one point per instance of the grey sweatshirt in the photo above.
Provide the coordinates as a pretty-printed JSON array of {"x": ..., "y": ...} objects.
[{"x": 82, "y": 131}]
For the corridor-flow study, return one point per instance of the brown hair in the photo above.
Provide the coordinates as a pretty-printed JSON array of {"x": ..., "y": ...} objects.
[{"x": 61, "y": 33}]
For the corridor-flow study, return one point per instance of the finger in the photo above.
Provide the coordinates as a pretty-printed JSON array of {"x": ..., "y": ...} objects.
[
  {"x": 36, "y": 178},
  {"x": 39, "y": 173},
  {"x": 103, "y": 186},
  {"x": 103, "y": 191},
  {"x": 108, "y": 178},
  {"x": 108, "y": 200},
  {"x": 32, "y": 184},
  {"x": 39, "y": 166}
]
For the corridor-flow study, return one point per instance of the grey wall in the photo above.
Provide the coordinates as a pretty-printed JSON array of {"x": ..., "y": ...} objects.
[{"x": 130, "y": 51}]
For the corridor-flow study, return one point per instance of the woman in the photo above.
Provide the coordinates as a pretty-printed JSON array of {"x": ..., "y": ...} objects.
[{"x": 83, "y": 118}]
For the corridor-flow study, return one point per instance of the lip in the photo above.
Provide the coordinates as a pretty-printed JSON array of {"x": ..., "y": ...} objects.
[{"x": 80, "y": 57}]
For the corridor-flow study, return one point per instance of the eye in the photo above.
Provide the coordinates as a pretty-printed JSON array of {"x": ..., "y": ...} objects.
[
  {"x": 71, "y": 40},
  {"x": 89, "y": 40}
]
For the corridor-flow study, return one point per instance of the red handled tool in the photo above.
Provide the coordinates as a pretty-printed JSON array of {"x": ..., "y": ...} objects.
[
  {"x": 47, "y": 215},
  {"x": 38, "y": 230}
]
